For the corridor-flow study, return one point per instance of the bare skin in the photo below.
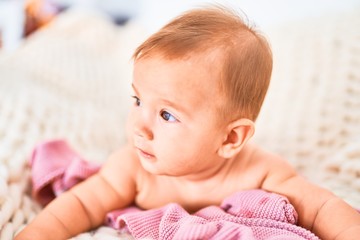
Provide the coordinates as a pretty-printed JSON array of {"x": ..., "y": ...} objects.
[{"x": 179, "y": 151}]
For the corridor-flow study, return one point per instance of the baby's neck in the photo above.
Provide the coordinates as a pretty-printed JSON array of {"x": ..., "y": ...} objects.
[
  {"x": 205, "y": 188},
  {"x": 220, "y": 169}
]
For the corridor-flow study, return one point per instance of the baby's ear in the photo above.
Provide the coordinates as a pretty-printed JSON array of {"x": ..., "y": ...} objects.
[{"x": 238, "y": 134}]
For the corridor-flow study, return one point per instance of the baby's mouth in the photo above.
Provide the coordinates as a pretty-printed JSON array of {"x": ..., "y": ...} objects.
[{"x": 145, "y": 154}]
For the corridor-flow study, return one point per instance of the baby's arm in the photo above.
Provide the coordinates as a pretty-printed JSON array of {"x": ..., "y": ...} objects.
[
  {"x": 84, "y": 206},
  {"x": 319, "y": 210}
]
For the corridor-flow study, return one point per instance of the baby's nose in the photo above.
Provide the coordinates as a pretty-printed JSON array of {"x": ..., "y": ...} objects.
[{"x": 142, "y": 128}]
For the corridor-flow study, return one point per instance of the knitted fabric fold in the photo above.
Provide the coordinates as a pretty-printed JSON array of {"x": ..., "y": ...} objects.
[
  {"x": 55, "y": 168},
  {"x": 251, "y": 214}
]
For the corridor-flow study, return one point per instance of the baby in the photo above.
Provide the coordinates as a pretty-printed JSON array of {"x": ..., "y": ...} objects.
[{"x": 199, "y": 84}]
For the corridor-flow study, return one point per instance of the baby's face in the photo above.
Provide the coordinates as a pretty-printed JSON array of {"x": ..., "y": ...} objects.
[{"x": 174, "y": 119}]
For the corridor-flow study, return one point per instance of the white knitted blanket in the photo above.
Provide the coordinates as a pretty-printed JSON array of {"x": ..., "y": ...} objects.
[
  {"x": 71, "y": 80},
  {"x": 312, "y": 111}
]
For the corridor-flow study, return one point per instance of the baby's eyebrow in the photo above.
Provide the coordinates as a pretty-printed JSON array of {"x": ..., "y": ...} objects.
[
  {"x": 177, "y": 107},
  {"x": 166, "y": 101}
]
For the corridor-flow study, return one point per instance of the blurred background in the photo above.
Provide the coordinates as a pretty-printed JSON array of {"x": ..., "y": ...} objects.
[{"x": 20, "y": 17}]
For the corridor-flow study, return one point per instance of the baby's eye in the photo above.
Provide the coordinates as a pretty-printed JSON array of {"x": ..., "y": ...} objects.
[
  {"x": 137, "y": 101},
  {"x": 167, "y": 116}
]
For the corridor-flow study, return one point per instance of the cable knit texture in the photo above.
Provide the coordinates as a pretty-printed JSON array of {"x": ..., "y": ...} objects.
[{"x": 71, "y": 80}]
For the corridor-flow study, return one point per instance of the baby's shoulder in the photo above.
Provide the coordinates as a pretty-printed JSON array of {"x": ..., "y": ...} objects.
[
  {"x": 122, "y": 162},
  {"x": 125, "y": 156},
  {"x": 276, "y": 168},
  {"x": 266, "y": 158},
  {"x": 270, "y": 164}
]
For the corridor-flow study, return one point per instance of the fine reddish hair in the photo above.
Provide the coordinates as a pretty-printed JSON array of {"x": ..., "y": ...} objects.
[{"x": 244, "y": 56}]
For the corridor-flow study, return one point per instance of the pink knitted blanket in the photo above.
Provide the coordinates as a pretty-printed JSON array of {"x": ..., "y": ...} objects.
[{"x": 252, "y": 214}]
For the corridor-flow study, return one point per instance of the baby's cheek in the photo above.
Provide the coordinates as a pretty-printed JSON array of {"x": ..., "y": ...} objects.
[{"x": 129, "y": 130}]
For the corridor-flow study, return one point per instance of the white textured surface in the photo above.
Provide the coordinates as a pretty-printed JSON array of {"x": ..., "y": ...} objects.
[
  {"x": 312, "y": 111},
  {"x": 71, "y": 81}
]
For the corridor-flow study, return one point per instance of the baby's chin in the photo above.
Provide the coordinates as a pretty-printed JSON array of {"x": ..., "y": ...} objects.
[
  {"x": 149, "y": 163},
  {"x": 155, "y": 168}
]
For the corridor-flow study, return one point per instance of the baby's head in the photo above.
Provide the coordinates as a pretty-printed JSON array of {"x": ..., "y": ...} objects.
[
  {"x": 199, "y": 83},
  {"x": 222, "y": 38}
]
